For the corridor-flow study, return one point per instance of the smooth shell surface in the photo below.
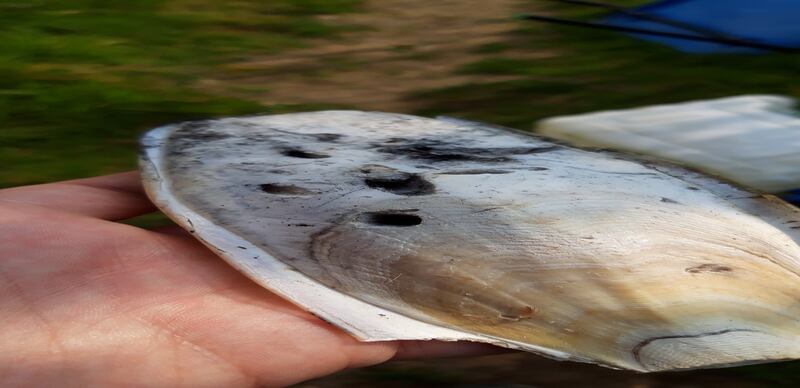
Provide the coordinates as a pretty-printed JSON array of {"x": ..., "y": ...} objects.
[{"x": 400, "y": 227}]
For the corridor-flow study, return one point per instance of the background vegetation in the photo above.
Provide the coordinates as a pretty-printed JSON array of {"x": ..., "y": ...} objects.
[{"x": 79, "y": 79}]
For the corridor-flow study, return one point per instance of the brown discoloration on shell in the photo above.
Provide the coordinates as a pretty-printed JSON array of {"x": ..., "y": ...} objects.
[{"x": 450, "y": 282}]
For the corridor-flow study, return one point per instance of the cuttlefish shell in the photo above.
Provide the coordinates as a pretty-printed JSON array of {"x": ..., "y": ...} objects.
[{"x": 399, "y": 227}]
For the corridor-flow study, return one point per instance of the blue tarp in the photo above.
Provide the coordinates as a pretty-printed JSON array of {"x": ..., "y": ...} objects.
[
  {"x": 774, "y": 22},
  {"x": 793, "y": 197}
]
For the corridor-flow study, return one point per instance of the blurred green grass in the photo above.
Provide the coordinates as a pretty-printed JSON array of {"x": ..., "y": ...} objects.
[{"x": 80, "y": 78}]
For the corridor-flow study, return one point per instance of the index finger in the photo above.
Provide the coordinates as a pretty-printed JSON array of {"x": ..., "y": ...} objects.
[
  {"x": 421, "y": 349},
  {"x": 110, "y": 197}
]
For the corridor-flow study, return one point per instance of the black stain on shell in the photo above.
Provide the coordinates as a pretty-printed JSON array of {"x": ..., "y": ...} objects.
[
  {"x": 327, "y": 137},
  {"x": 391, "y": 218},
  {"x": 439, "y": 151},
  {"x": 534, "y": 150},
  {"x": 190, "y": 135},
  {"x": 199, "y": 131},
  {"x": 303, "y": 154},
  {"x": 395, "y": 181},
  {"x": 402, "y": 184},
  {"x": 668, "y": 200},
  {"x": 281, "y": 189},
  {"x": 476, "y": 172}
]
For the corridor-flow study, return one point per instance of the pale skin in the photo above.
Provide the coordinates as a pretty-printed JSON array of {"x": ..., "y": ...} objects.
[{"x": 88, "y": 301}]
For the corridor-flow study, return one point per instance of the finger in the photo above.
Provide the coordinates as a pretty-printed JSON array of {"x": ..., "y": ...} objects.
[
  {"x": 415, "y": 350},
  {"x": 172, "y": 230},
  {"x": 110, "y": 197}
]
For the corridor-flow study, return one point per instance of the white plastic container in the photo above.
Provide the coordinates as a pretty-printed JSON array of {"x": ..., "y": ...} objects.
[{"x": 752, "y": 140}]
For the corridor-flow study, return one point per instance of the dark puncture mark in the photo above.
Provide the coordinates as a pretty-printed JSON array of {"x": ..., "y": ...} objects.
[
  {"x": 191, "y": 225},
  {"x": 298, "y": 153},
  {"x": 391, "y": 219},
  {"x": 638, "y": 348},
  {"x": 275, "y": 188},
  {"x": 668, "y": 200},
  {"x": 709, "y": 268}
]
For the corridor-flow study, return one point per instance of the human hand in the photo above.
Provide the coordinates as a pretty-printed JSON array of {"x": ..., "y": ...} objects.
[{"x": 88, "y": 301}]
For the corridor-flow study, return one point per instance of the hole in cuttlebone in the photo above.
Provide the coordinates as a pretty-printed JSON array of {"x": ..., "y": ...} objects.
[
  {"x": 303, "y": 154},
  {"x": 391, "y": 219}
]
